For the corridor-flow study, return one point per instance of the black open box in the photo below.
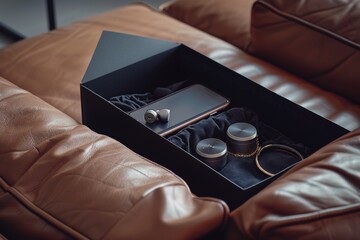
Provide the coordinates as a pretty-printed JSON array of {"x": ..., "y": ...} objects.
[{"x": 124, "y": 64}]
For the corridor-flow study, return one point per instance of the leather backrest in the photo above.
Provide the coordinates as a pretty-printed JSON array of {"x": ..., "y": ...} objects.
[
  {"x": 226, "y": 19},
  {"x": 316, "y": 40}
]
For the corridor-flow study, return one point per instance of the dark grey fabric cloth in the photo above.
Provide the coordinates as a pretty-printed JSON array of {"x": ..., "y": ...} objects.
[{"x": 241, "y": 170}]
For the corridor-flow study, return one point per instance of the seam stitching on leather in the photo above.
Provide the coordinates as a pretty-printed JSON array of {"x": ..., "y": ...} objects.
[
  {"x": 40, "y": 212},
  {"x": 317, "y": 215},
  {"x": 317, "y": 28}
]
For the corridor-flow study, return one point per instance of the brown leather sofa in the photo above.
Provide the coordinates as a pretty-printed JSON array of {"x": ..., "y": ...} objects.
[{"x": 60, "y": 180}]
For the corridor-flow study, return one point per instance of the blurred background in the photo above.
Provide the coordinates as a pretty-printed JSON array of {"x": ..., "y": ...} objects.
[{"x": 29, "y": 18}]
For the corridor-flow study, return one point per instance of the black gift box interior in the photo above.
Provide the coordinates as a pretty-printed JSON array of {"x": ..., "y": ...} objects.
[{"x": 124, "y": 65}]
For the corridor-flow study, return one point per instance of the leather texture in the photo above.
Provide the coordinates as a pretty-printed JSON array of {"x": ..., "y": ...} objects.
[
  {"x": 306, "y": 39},
  {"x": 60, "y": 180},
  {"x": 317, "y": 199},
  {"x": 2, "y": 237},
  {"x": 228, "y": 20},
  {"x": 57, "y": 81},
  {"x": 201, "y": 14}
]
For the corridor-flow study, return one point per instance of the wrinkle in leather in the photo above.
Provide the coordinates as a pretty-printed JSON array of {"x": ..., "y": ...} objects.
[
  {"x": 319, "y": 194},
  {"x": 69, "y": 182}
]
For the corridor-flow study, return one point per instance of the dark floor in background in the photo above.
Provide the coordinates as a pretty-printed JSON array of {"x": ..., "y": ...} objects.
[{"x": 29, "y": 18}]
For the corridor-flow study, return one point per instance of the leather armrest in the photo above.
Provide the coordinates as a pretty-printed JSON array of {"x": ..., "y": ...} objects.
[
  {"x": 60, "y": 180},
  {"x": 316, "y": 40},
  {"x": 317, "y": 199}
]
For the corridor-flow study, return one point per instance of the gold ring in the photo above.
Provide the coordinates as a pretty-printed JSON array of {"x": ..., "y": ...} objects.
[{"x": 281, "y": 147}]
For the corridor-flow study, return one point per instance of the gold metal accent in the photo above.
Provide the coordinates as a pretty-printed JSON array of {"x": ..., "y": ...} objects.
[
  {"x": 280, "y": 147},
  {"x": 241, "y": 155}
]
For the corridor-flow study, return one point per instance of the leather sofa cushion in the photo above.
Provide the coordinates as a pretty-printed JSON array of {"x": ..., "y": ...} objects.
[
  {"x": 316, "y": 40},
  {"x": 317, "y": 199},
  {"x": 60, "y": 180},
  {"x": 228, "y": 20}
]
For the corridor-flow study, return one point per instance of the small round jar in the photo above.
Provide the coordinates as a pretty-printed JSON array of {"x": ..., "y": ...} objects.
[
  {"x": 242, "y": 139},
  {"x": 213, "y": 152}
]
